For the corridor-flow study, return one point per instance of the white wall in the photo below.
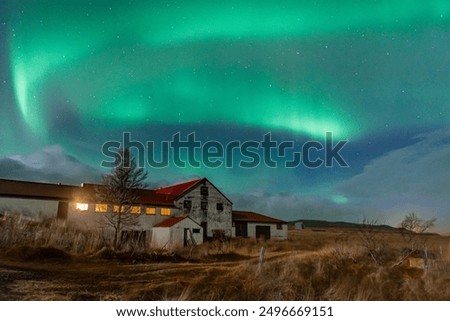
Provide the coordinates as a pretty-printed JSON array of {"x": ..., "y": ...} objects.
[
  {"x": 172, "y": 237},
  {"x": 275, "y": 234},
  {"x": 92, "y": 219},
  {"x": 161, "y": 237},
  {"x": 28, "y": 207},
  {"x": 215, "y": 219}
]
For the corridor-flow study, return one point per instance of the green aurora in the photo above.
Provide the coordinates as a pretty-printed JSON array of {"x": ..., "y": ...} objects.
[{"x": 124, "y": 65}]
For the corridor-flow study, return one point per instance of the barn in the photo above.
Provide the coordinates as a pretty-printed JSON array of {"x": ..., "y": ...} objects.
[
  {"x": 184, "y": 213},
  {"x": 199, "y": 199},
  {"x": 255, "y": 225},
  {"x": 177, "y": 232}
]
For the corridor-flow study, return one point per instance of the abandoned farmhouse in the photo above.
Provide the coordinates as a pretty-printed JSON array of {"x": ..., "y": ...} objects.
[{"x": 175, "y": 215}]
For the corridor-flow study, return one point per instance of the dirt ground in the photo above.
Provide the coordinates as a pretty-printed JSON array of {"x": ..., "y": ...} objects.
[{"x": 98, "y": 279}]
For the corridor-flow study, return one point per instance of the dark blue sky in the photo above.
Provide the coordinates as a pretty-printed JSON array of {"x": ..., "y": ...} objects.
[{"x": 74, "y": 75}]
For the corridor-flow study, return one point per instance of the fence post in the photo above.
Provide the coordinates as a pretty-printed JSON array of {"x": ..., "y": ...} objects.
[
  {"x": 261, "y": 258},
  {"x": 425, "y": 259}
]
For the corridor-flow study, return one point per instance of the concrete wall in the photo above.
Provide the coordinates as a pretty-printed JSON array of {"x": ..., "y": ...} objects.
[
  {"x": 275, "y": 234},
  {"x": 161, "y": 237},
  {"x": 172, "y": 237},
  {"x": 215, "y": 219},
  {"x": 92, "y": 219},
  {"x": 36, "y": 209}
]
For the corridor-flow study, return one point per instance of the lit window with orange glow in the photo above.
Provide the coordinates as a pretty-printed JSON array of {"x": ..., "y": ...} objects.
[
  {"x": 135, "y": 210},
  {"x": 116, "y": 209},
  {"x": 82, "y": 207},
  {"x": 101, "y": 208},
  {"x": 150, "y": 210},
  {"x": 165, "y": 211}
]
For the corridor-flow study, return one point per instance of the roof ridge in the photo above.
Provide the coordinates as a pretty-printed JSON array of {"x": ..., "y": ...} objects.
[{"x": 180, "y": 183}]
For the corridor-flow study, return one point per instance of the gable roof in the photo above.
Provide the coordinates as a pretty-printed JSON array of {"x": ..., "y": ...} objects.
[
  {"x": 247, "y": 216},
  {"x": 173, "y": 221},
  {"x": 176, "y": 191},
  {"x": 149, "y": 197}
]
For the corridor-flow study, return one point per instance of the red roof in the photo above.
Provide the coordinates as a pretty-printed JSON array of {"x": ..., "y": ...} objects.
[
  {"x": 178, "y": 189},
  {"x": 246, "y": 216},
  {"x": 171, "y": 221},
  {"x": 151, "y": 198},
  {"x": 164, "y": 196}
]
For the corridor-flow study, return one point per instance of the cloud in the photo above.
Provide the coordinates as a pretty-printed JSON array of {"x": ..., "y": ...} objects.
[
  {"x": 50, "y": 164},
  {"x": 413, "y": 178},
  {"x": 290, "y": 206}
]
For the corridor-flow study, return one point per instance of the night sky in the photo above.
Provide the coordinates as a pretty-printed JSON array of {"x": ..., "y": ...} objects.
[{"x": 75, "y": 74}]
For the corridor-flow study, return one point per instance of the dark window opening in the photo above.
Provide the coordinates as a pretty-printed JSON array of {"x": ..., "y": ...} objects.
[
  {"x": 279, "y": 226},
  {"x": 241, "y": 229},
  {"x": 204, "y": 206},
  {"x": 204, "y": 190},
  {"x": 262, "y": 232},
  {"x": 187, "y": 204},
  {"x": 219, "y": 206},
  {"x": 196, "y": 231}
]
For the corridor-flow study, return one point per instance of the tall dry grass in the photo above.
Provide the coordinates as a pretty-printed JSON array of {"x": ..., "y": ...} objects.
[
  {"x": 328, "y": 266},
  {"x": 16, "y": 232},
  {"x": 310, "y": 265}
]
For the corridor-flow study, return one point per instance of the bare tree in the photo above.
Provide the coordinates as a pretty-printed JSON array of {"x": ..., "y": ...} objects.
[
  {"x": 120, "y": 190},
  {"x": 412, "y": 229},
  {"x": 412, "y": 224}
]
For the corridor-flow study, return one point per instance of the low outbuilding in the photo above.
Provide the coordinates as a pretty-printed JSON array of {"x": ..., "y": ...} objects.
[
  {"x": 177, "y": 231},
  {"x": 255, "y": 225}
]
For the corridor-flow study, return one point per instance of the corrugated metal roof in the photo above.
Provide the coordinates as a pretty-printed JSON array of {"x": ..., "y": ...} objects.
[{"x": 247, "y": 216}]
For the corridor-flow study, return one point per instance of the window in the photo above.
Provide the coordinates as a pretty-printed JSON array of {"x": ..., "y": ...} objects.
[
  {"x": 101, "y": 208},
  {"x": 165, "y": 211},
  {"x": 116, "y": 209},
  {"x": 196, "y": 230},
  {"x": 150, "y": 210},
  {"x": 204, "y": 206},
  {"x": 187, "y": 204},
  {"x": 82, "y": 207},
  {"x": 219, "y": 206},
  {"x": 204, "y": 190},
  {"x": 135, "y": 210},
  {"x": 279, "y": 226}
]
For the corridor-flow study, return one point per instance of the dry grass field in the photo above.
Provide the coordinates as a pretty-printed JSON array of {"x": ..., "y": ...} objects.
[{"x": 48, "y": 262}]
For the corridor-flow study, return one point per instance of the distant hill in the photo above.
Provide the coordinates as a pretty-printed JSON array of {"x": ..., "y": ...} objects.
[{"x": 326, "y": 224}]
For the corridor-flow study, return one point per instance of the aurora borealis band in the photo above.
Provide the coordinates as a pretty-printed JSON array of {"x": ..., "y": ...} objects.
[{"x": 75, "y": 74}]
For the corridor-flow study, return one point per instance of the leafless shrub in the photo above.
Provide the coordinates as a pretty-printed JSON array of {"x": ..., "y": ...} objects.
[
  {"x": 372, "y": 241},
  {"x": 412, "y": 229}
]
